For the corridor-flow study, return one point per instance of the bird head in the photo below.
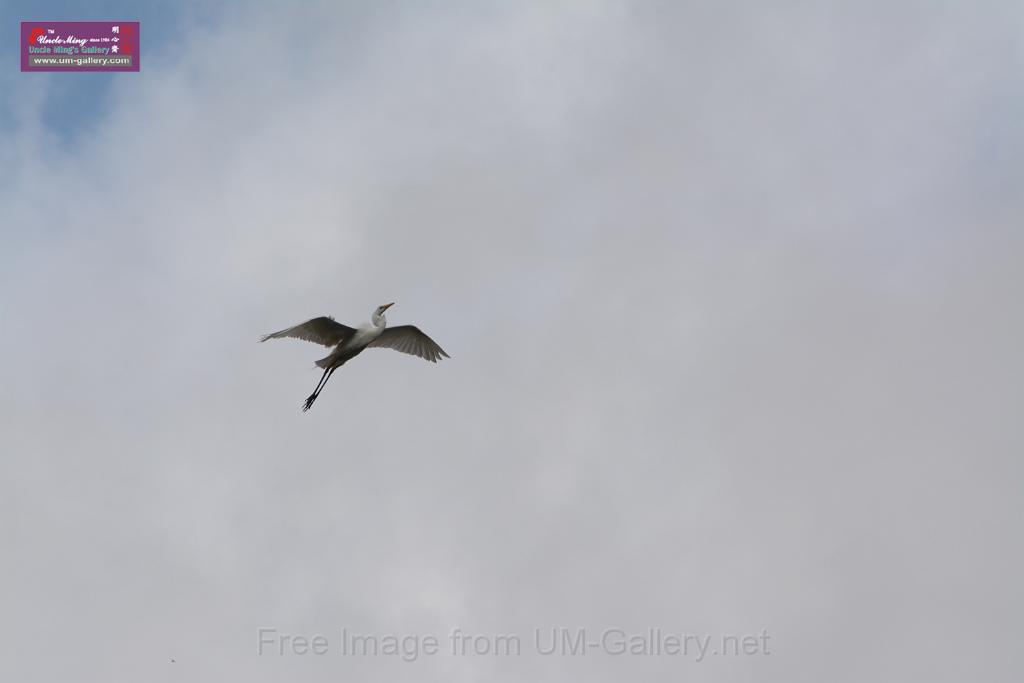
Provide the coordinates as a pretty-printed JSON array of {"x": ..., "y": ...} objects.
[{"x": 378, "y": 315}]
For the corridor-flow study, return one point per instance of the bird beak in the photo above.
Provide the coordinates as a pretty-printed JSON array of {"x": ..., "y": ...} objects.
[{"x": 387, "y": 306}]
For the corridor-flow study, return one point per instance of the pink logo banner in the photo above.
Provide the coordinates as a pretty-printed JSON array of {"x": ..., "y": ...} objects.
[{"x": 79, "y": 46}]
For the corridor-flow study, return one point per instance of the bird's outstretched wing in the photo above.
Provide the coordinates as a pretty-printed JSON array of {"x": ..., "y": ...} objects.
[
  {"x": 322, "y": 330},
  {"x": 410, "y": 339}
]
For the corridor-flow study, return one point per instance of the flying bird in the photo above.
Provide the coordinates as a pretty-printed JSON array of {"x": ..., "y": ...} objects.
[{"x": 349, "y": 342}]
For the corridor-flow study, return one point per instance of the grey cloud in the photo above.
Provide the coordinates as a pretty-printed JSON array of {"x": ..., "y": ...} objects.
[{"x": 731, "y": 295}]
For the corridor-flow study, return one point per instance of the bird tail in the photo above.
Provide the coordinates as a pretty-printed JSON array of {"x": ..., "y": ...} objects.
[{"x": 329, "y": 360}]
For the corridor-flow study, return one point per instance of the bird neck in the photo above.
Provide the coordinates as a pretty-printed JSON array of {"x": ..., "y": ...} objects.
[{"x": 378, "y": 320}]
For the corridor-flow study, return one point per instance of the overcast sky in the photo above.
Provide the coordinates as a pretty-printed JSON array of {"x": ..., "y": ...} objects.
[{"x": 732, "y": 293}]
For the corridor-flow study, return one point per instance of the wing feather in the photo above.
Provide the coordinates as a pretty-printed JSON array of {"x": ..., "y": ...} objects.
[
  {"x": 323, "y": 330},
  {"x": 411, "y": 340}
]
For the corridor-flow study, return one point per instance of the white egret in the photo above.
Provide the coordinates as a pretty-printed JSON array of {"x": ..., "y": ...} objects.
[{"x": 349, "y": 342}]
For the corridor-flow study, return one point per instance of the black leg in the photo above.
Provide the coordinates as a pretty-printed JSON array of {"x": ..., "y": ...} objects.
[
  {"x": 319, "y": 387},
  {"x": 312, "y": 397},
  {"x": 323, "y": 378}
]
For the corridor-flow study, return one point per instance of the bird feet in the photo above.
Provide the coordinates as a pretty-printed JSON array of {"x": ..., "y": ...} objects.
[{"x": 309, "y": 402}]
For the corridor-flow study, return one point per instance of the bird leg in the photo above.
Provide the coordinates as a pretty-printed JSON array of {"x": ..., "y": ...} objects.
[{"x": 316, "y": 392}]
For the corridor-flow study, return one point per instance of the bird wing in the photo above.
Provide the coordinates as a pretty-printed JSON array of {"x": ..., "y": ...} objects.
[
  {"x": 410, "y": 339},
  {"x": 323, "y": 330}
]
